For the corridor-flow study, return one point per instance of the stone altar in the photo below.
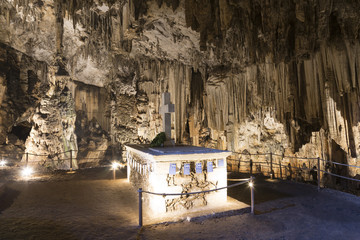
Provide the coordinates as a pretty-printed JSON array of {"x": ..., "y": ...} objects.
[{"x": 178, "y": 169}]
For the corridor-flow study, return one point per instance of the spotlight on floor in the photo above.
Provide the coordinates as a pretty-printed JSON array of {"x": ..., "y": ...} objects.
[
  {"x": 27, "y": 172},
  {"x": 2, "y": 163},
  {"x": 251, "y": 184},
  {"x": 115, "y": 165}
]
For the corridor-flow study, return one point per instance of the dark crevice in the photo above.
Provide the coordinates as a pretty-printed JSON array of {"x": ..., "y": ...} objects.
[
  {"x": 22, "y": 131},
  {"x": 196, "y": 89}
]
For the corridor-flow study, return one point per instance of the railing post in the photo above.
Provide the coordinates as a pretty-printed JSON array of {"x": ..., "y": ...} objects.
[
  {"x": 140, "y": 207},
  {"x": 318, "y": 172},
  {"x": 114, "y": 172},
  {"x": 271, "y": 166},
  {"x": 252, "y": 193},
  {"x": 280, "y": 169},
  {"x": 251, "y": 167},
  {"x": 27, "y": 159},
  {"x": 290, "y": 171},
  {"x": 71, "y": 161}
]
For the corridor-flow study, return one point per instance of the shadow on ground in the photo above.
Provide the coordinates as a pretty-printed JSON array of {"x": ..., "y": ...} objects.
[
  {"x": 98, "y": 173},
  {"x": 7, "y": 198},
  {"x": 263, "y": 191}
]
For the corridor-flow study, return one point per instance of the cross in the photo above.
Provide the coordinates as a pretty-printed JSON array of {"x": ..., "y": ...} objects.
[{"x": 166, "y": 109}]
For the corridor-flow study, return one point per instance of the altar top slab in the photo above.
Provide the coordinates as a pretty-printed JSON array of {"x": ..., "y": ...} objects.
[{"x": 177, "y": 152}]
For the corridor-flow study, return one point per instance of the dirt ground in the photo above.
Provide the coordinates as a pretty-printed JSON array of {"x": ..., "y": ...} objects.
[{"x": 89, "y": 204}]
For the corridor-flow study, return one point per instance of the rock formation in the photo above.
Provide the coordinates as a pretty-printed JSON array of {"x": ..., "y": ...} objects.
[{"x": 255, "y": 76}]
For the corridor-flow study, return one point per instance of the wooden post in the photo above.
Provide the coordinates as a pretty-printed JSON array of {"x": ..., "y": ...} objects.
[
  {"x": 27, "y": 159},
  {"x": 71, "y": 160},
  {"x": 140, "y": 207},
  {"x": 251, "y": 167},
  {"x": 252, "y": 194},
  {"x": 128, "y": 165},
  {"x": 318, "y": 172},
  {"x": 271, "y": 166},
  {"x": 290, "y": 171},
  {"x": 280, "y": 169}
]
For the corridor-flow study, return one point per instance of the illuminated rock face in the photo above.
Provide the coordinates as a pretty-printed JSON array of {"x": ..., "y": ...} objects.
[
  {"x": 178, "y": 169},
  {"x": 92, "y": 123},
  {"x": 23, "y": 84},
  {"x": 53, "y": 132},
  {"x": 252, "y": 76}
]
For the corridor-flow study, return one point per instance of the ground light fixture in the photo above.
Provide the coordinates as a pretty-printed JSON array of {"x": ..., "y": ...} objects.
[
  {"x": 27, "y": 172},
  {"x": 251, "y": 185},
  {"x": 2, "y": 163},
  {"x": 115, "y": 165}
]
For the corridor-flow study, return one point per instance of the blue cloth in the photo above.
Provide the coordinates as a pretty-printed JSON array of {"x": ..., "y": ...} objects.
[
  {"x": 198, "y": 167},
  {"x": 172, "y": 169},
  {"x": 221, "y": 162},
  {"x": 209, "y": 166},
  {"x": 186, "y": 168}
]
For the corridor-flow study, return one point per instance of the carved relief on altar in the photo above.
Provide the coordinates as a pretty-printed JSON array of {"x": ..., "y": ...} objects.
[{"x": 192, "y": 176}]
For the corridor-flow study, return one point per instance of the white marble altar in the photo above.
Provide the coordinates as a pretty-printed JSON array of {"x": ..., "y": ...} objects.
[{"x": 178, "y": 169}]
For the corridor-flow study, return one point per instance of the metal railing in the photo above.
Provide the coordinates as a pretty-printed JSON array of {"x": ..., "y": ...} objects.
[
  {"x": 54, "y": 159},
  {"x": 59, "y": 157},
  {"x": 271, "y": 163},
  {"x": 243, "y": 181}
]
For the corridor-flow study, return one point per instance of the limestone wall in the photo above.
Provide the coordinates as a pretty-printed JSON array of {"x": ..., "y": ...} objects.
[{"x": 244, "y": 75}]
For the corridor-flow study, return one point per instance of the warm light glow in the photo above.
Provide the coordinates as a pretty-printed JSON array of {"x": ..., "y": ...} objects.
[
  {"x": 115, "y": 165},
  {"x": 251, "y": 184},
  {"x": 27, "y": 171},
  {"x": 2, "y": 163}
]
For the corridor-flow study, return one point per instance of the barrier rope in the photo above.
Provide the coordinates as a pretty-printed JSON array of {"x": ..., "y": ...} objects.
[
  {"x": 13, "y": 157},
  {"x": 342, "y": 164},
  {"x": 212, "y": 190},
  {"x": 140, "y": 191},
  {"x": 45, "y": 155},
  {"x": 333, "y": 174},
  {"x": 274, "y": 154},
  {"x": 301, "y": 168}
]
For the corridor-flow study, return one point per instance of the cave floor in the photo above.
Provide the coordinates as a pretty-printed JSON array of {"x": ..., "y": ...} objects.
[{"x": 89, "y": 204}]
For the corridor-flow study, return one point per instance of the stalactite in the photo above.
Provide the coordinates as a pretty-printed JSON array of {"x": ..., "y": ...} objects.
[
  {"x": 262, "y": 64},
  {"x": 59, "y": 12}
]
